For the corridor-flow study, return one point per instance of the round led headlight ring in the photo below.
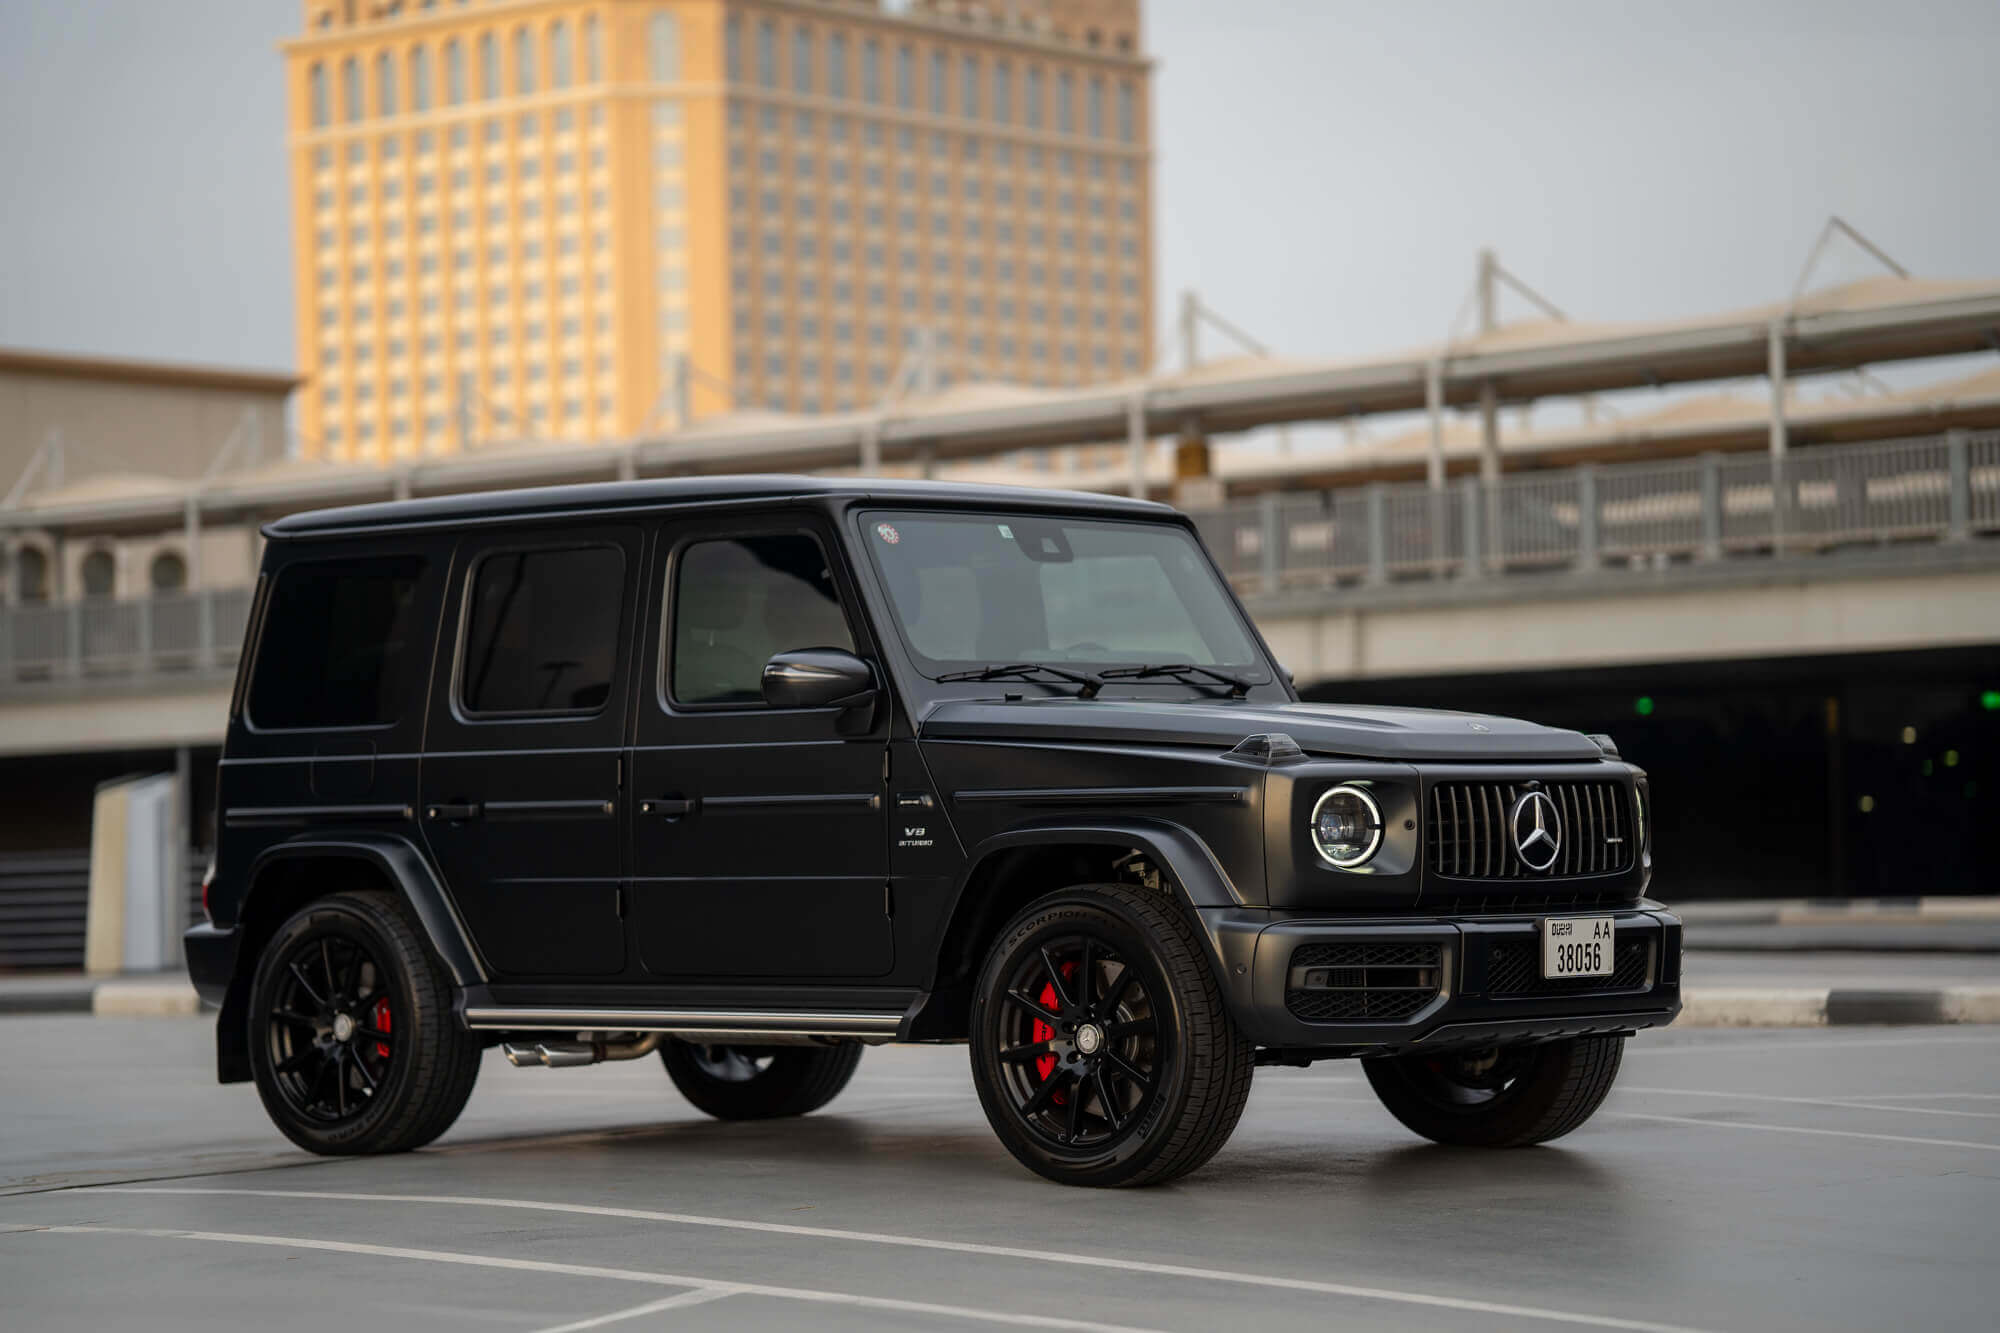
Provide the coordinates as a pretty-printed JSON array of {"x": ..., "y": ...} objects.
[{"x": 1346, "y": 826}]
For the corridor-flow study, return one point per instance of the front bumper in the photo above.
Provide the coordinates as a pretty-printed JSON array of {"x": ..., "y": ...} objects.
[{"x": 1480, "y": 980}]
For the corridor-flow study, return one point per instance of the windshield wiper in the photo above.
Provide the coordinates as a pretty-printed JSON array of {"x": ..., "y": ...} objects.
[
  {"x": 1091, "y": 684},
  {"x": 1238, "y": 687}
]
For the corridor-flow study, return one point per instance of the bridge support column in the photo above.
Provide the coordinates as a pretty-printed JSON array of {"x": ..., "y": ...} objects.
[
  {"x": 871, "y": 447},
  {"x": 1586, "y": 517},
  {"x": 1958, "y": 460},
  {"x": 1473, "y": 564},
  {"x": 1711, "y": 506},
  {"x": 1378, "y": 533}
]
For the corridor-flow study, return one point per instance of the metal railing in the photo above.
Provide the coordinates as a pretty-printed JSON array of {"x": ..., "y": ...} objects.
[
  {"x": 174, "y": 633},
  {"x": 1940, "y": 488}
]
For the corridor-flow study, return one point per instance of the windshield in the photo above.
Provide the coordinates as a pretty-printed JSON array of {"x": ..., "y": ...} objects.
[{"x": 972, "y": 589}]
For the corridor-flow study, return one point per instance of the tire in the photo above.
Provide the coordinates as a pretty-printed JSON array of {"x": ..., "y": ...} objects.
[
  {"x": 1506, "y": 1097},
  {"x": 759, "y": 1082},
  {"x": 1101, "y": 1048},
  {"x": 354, "y": 1045}
]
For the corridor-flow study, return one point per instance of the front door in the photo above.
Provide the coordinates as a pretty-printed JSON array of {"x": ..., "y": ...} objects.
[
  {"x": 759, "y": 834},
  {"x": 524, "y": 746}
]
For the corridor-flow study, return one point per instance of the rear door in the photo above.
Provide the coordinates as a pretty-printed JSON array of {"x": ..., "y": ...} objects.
[
  {"x": 760, "y": 848},
  {"x": 524, "y": 748}
]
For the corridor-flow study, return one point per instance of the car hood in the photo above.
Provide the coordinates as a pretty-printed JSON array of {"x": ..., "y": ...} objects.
[{"x": 1396, "y": 734}]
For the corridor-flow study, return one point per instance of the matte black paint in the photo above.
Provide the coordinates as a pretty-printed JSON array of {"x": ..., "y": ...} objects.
[{"x": 724, "y": 856}]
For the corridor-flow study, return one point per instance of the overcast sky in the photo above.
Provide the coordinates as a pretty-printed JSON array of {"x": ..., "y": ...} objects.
[{"x": 1327, "y": 169}]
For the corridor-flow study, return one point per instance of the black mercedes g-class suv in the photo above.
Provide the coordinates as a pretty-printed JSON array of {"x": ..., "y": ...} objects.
[{"x": 755, "y": 772}]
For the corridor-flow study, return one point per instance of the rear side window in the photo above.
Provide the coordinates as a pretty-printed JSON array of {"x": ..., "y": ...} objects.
[
  {"x": 339, "y": 644},
  {"x": 542, "y": 631},
  {"x": 737, "y": 603}
]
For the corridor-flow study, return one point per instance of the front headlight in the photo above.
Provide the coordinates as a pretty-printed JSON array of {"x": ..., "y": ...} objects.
[
  {"x": 1639, "y": 794},
  {"x": 1346, "y": 826}
]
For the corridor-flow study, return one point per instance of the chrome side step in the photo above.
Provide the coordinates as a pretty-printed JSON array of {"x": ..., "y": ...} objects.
[{"x": 692, "y": 1022}]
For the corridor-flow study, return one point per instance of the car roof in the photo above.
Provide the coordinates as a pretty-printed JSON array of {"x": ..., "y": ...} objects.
[{"x": 672, "y": 492}]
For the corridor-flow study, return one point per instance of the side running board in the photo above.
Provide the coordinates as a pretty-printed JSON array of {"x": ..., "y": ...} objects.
[{"x": 705, "y": 1022}]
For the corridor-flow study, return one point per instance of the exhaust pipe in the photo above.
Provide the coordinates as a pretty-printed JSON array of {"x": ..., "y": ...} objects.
[{"x": 573, "y": 1054}]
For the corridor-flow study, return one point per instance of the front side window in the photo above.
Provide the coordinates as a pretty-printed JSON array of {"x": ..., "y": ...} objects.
[
  {"x": 339, "y": 644},
  {"x": 984, "y": 589},
  {"x": 738, "y": 603},
  {"x": 542, "y": 631}
]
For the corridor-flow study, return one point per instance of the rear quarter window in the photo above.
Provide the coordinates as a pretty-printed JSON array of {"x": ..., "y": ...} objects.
[{"x": 340, "y": 644}]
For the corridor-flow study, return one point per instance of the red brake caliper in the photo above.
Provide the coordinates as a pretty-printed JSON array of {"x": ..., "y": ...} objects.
[
  {"x": 382, "y": 1025},
  {"x": 1046, "y": 1065}
]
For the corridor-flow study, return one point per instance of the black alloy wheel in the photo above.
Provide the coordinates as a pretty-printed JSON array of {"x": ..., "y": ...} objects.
[
  {"x": 1101, "y": 1048},
  {"x": 759, "y": 1082},
  {"x": 1498, "y": 1096},
  {"x": 354, "y": 1046}
]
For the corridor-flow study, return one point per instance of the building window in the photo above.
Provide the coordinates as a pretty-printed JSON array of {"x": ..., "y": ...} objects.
[
  {"x": 593, "y": 50},
  {"x": 489, "y": 67},
  {"x": 1093, "y": 108},
  {"x": 168, "y": 572},
  {"x": 1065, "y": 103},
  {"x": 732, "y": 33},
  {"x": 31, "y": 575},
  {"x": 802, "y": 60},
  {"x": 1126, "y": 117},
  {"x": 562, "y": 57},
  {"x": 1032, "y": 99},
  {"x": 871, "y": 71},
  {"x": 524, "y": 61},
  {"x": 939, "y": 64},
  {"x": 663, "y": 47},
  {"x": 420, "y": 80},
  {"x": 350, "y": 89},
  {"x": 767, "y": 53},
  {"x": 454, "y": 74},
  {"x": 836, "y": 65},
  {"x": 100, "y": 576},
  {"x": 906, "y": 77},
  {"x": 1003, "y": 93},
  {"x": 385, "y": 85},
  {"x": 316, "y": 95}
]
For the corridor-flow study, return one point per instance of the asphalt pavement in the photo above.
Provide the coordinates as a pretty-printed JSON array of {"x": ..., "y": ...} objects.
[{"x": 1737, "y": 1180}]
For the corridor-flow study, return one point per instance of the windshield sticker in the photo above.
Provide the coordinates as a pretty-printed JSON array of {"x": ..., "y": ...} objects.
[
  {"x": 887, "y": 532},
  {"x": 1007, "y": 532}
]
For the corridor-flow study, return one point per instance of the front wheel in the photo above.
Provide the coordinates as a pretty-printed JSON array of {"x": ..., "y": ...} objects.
[
  {"x": 1101, "y": 1048},
  {"x": 759, "y": 1082},
  {"x": 1498, "y": 1097}
]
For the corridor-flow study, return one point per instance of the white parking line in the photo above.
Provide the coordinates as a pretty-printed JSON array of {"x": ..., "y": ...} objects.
[
  {"x": 1801, "y": 1042},
  {"x": 808, "y": 1294},
  {"x": 699, "y": 1296},
  {"x": 1067, "y": 1258},
  {"x": 1935, "y": 1096},
  {"x": 1844, "y": 1103},
  {"x": 1803, "y": 1129}
]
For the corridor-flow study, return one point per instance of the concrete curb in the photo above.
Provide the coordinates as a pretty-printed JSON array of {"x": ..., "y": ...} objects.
[{"x": 1703, "y": 1006}]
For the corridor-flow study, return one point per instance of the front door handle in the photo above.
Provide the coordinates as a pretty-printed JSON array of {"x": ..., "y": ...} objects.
[
  {"x": 452, "y": 810},
  {"x": 670, "y": 807}
]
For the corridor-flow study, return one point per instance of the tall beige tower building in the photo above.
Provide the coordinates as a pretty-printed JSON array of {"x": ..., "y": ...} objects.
[{"x": 582, "y": 219}]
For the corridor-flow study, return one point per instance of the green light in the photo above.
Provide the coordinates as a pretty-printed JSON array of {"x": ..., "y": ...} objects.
[
  {"x": 1643, "y": 705},
  {"x": 1990, "y": 701}
]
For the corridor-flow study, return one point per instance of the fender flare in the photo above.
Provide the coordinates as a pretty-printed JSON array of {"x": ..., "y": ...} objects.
[
  {"x": 399, "y": 861},
  {"x": 1197, "y": 880}
]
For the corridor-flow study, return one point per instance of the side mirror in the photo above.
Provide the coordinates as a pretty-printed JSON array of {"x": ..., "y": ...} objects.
[{"x": 818, "y": 678}]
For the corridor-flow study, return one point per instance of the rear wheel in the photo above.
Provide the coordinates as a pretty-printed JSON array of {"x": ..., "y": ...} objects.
[
  {"x": 1101, "y": 1048},
  {"x": 759, "y": 1082},
  {"x": 353, "y": 1044},
  {"x": 1499, "y": 1097}
]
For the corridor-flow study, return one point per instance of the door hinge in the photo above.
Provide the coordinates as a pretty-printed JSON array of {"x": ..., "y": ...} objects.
[
  {"x": 888, "y": 899},
  {"x": 618, "y": 896},
  {"x": 620, "y": 784},
  {"x": 885, "y": 765}
]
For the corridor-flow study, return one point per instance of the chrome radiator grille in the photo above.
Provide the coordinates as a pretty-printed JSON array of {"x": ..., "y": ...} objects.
[{"x": 1468, "y": 837}]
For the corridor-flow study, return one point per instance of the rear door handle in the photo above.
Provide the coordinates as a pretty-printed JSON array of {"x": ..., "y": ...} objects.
[
  {"x": 670, "y": 807},
  {"x": 452, "y": 811}
]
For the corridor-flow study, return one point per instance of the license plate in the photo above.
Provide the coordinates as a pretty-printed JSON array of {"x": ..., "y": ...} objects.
[{"x": 1577, "y": 946}]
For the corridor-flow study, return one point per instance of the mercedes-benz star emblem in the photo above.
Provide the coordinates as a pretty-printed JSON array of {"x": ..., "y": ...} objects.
[{"x": 1537, "y": 828}]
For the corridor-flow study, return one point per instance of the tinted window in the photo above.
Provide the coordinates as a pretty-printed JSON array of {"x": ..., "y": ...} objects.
[
  {"x": 542, "y": 631},
  {"x": 339, "y": 644},
  {"x": 736, "y": 603}
]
